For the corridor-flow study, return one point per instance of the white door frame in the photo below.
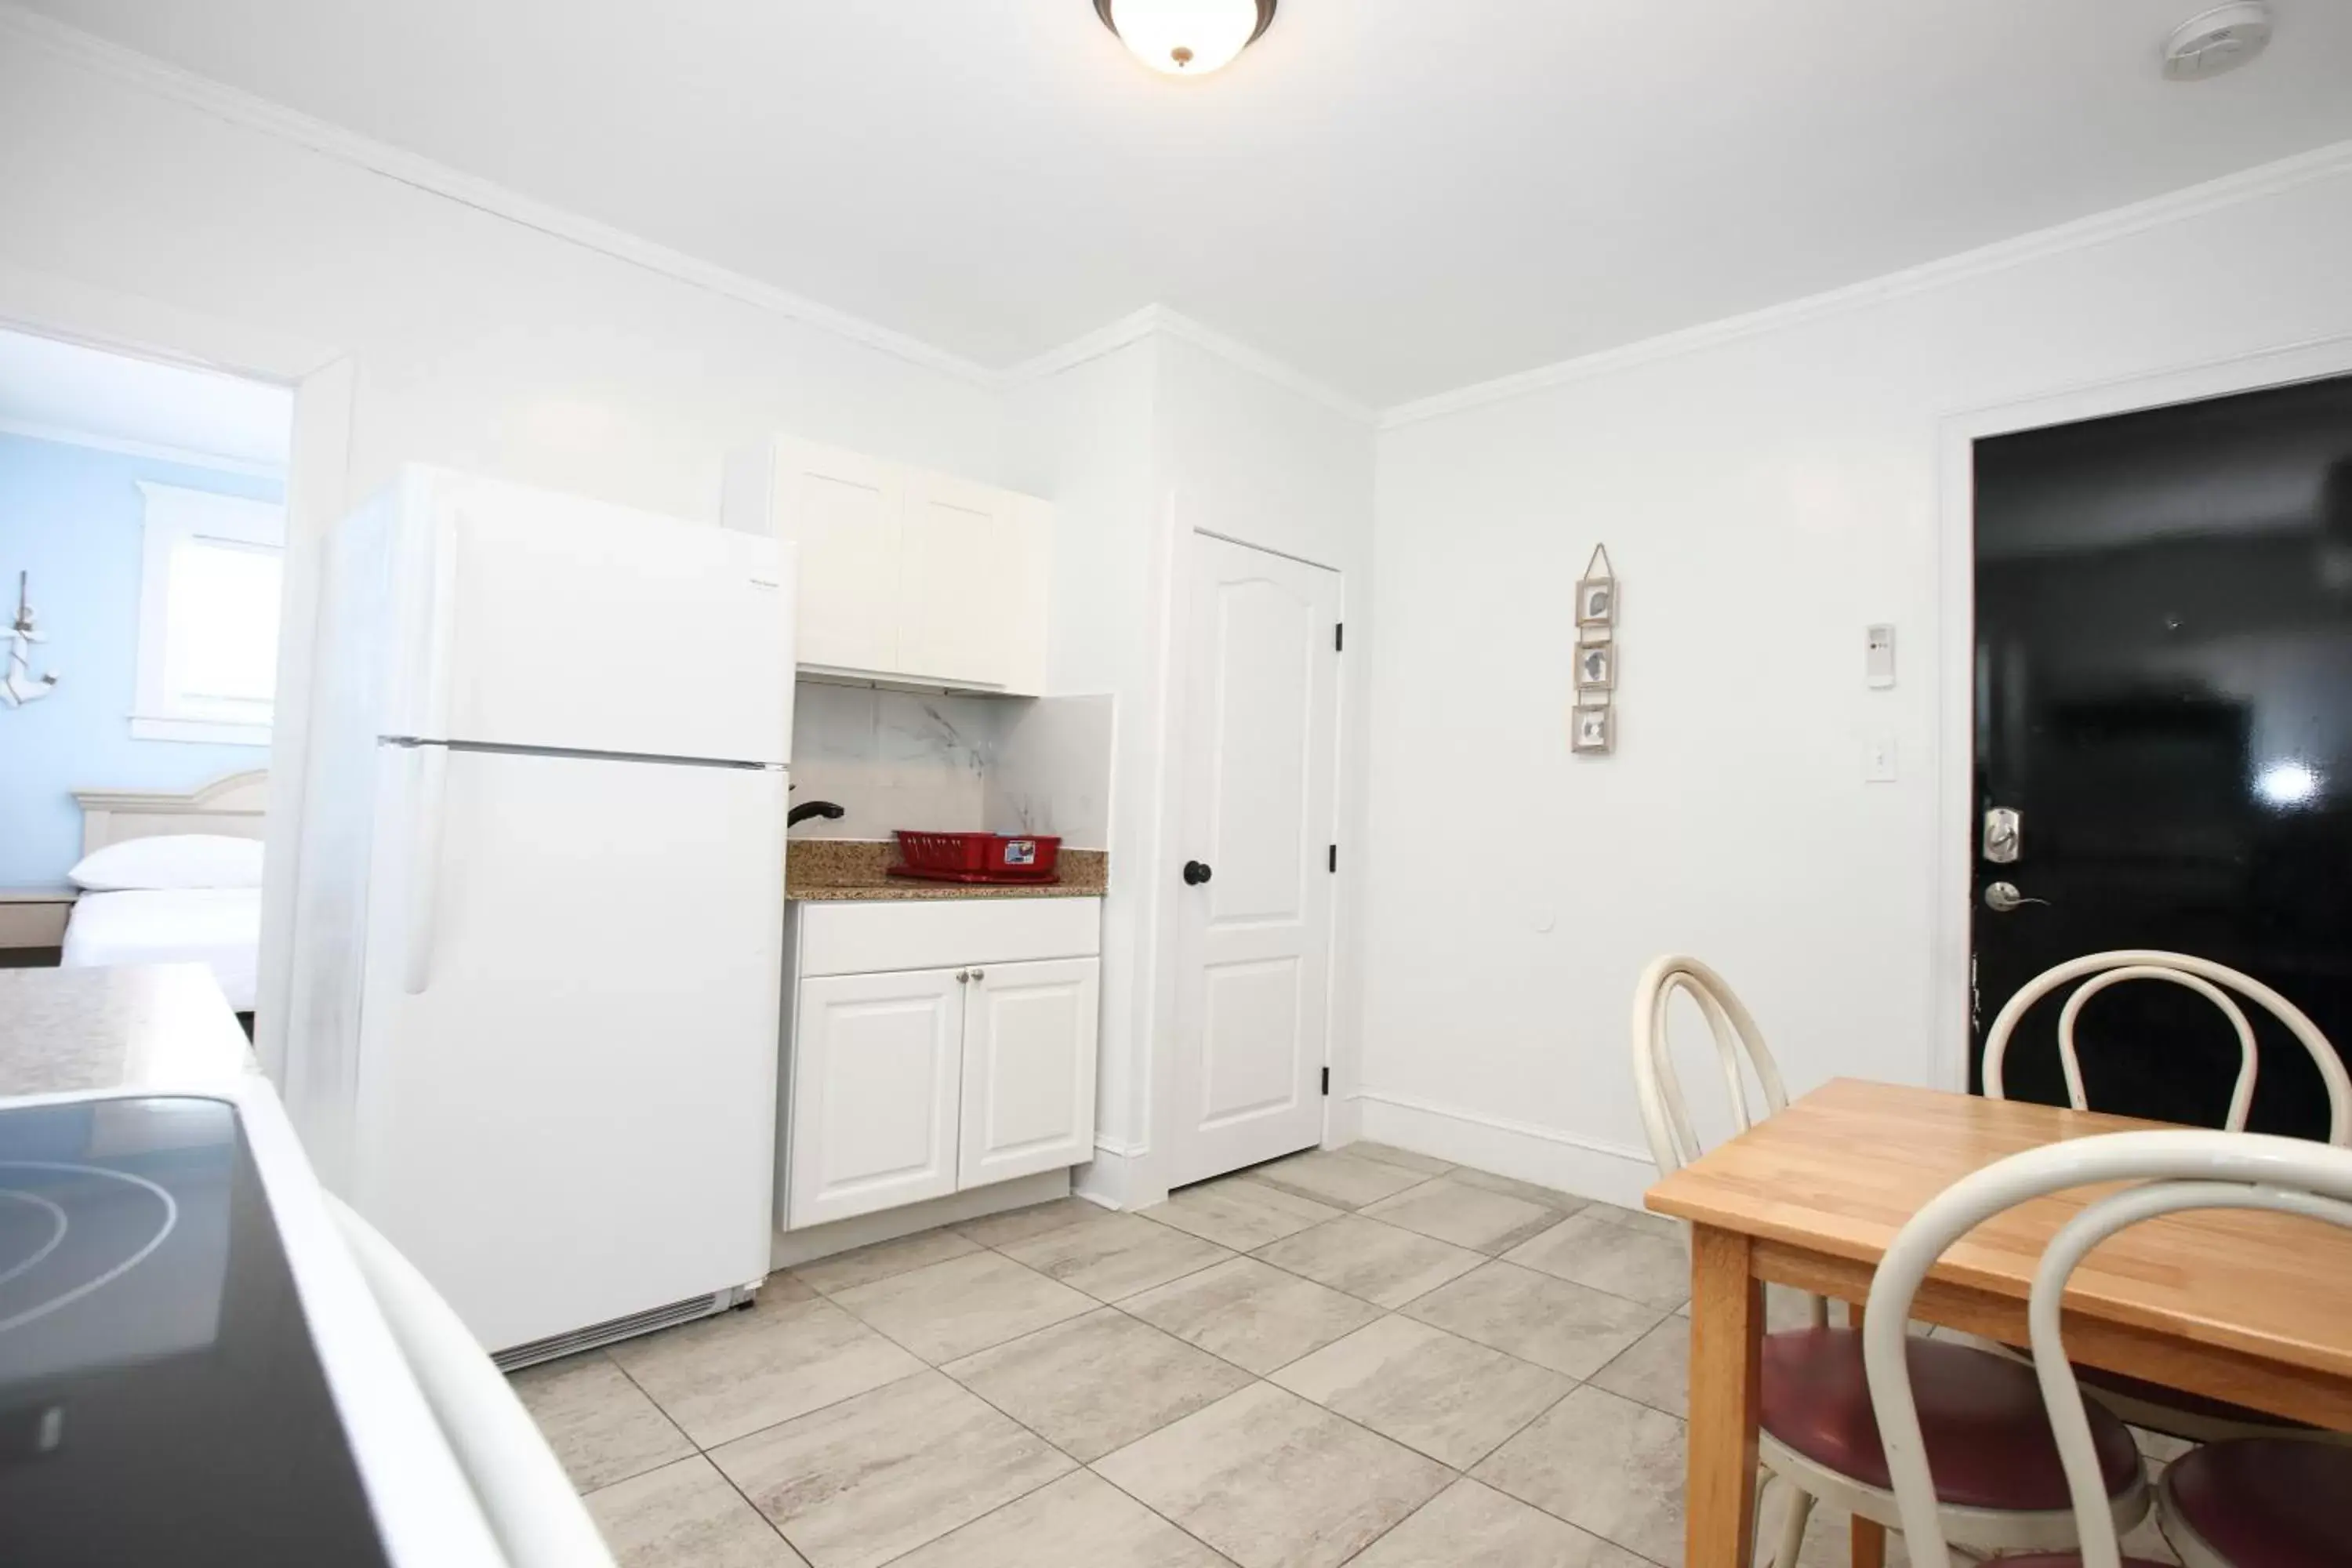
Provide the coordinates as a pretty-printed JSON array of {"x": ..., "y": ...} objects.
[
  {"x": 1947, "y": 1023},
  {"x": 1148, "y": 1181},
  {"x": 324, "y": 380}
]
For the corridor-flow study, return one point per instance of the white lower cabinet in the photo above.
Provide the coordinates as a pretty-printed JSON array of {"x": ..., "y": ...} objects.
[
  {"x": 876, "y": 1078},
  {"x": 903, "y": 1084},
  {"x": 1028, "y": 1069}
]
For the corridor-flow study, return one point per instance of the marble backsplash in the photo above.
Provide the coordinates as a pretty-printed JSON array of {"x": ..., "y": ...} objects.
[{"x": 903, "y": 759}]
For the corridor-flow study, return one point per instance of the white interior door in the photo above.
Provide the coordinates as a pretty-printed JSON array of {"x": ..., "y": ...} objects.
[
  {"x": 1255, "y": 932},
  {"x": 565, "y": 1095},
  {"x": 877, "y": 1069},
  {"x": 1028, "y": 1069}
]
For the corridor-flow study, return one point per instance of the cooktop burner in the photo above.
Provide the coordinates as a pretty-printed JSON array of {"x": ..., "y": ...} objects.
[
  {"x": 123, "y": 1219},
  {"x": 160, "y": 1397}
]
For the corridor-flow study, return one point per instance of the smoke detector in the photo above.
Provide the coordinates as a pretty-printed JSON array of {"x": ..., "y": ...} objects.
[{"x": 2218, "y": 40}]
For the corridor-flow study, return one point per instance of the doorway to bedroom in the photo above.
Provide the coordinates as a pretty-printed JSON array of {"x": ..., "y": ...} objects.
[{"x": 142, "y": 537}]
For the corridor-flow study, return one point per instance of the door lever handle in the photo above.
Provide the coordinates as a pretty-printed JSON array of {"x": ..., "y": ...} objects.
[{"x": 2000, "y": 897}]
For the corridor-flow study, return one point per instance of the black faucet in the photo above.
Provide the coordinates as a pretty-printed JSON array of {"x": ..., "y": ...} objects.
[{"x": 807, "y": 809}]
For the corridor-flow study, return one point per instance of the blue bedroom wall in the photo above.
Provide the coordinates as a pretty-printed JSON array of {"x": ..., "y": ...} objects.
[{"x": 72, "y": 516}]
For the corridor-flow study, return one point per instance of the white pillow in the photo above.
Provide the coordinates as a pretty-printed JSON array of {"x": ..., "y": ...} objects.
[{"x": 171, "y": 860}]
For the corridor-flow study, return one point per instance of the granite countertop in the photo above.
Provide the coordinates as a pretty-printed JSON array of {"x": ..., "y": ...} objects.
[
  {"x": 842, "y": 870},
  {"x": 78, "y": 1031}
]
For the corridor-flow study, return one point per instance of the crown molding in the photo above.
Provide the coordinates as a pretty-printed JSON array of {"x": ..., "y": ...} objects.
[
  {"x": 2331, "y": 161},
  {"x": 259, "y": 114},
  {"x": 1240, "y": 356},
  {"x": 255, "y": 113},
  {"x": 1131, "y": 328},
  {"x": 157, "y": 451},
  {"x": 1159, "y": 321},
  {"x": 245, "y": 109}
]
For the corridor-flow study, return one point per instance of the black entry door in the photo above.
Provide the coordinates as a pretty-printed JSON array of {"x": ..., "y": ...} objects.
[{"x": 2164, "y": 697}]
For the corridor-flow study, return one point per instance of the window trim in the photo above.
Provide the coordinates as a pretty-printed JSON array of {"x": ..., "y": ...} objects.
[{"x": 173, "y": 513}]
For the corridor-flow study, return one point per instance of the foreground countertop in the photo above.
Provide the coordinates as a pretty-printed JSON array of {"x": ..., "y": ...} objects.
[
  {"x": 843, "y": 870},
  {"x": 81, "y": 1031}
]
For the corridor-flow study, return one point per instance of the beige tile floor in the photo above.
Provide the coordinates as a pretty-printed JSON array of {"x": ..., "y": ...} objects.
[{"x": 1364, "y": 1356}]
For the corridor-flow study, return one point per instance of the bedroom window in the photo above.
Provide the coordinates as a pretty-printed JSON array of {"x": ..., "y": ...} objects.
[{"x": 208, "y": 607}]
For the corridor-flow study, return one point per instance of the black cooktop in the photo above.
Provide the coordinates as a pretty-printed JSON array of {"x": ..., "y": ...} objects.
[{"x": 161, "y": 1400}]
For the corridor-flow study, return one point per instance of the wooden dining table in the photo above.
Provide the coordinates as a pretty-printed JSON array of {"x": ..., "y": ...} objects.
[{"x": 2252, "y": 1307}]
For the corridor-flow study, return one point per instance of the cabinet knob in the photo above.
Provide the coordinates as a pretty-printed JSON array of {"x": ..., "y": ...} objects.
[
  {"x": 1195, "y": 873},
  {"x": 980, "y": 975},
  {"x": 964, "y": 977}
]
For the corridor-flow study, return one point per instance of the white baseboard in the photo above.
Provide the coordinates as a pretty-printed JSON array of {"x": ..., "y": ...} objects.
[
  {"x": 1612, "y": 1173},
  {"x": 1343, "y": 1122},
  {"x": 1119, "y": 1180},
  {"x": 789, "y": 1248}
]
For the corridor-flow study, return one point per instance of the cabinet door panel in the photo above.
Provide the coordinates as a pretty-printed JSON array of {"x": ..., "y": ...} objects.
[
  {"x": 877, "y": 1062},
  {"x": 843, "y": 512},
  {"x": 1029, "y": 1070},
  {"x": 959, "y": 549}
]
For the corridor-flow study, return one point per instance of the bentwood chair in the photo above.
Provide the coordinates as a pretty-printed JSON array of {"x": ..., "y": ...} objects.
[
  {"x": 1999, "y": 1480},
  {"x": 2141, "y": 1403},
  {"x": 2271, "y": 1502}
]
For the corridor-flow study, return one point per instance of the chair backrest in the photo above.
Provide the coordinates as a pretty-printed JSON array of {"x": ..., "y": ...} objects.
[
  {"x": 1665, "y": 1115},
  {"x": 2212, "y": 981},
  {"x": 2181, "y": 1170}
]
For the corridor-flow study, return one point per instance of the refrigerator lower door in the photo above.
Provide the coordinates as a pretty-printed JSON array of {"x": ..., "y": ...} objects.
[{"x": 564, "y": 1108}]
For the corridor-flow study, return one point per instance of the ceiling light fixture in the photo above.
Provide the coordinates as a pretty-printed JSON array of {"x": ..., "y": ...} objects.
[{"x": 1186, "y": 38}]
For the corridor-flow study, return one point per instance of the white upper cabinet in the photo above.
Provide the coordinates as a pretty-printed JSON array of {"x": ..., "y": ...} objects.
[
  {"x": 843, "y": 512},
  {"x": 905, "y": 575}
]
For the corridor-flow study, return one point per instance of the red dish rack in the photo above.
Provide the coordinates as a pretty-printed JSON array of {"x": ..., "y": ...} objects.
[{"x": 977, "y": 857}]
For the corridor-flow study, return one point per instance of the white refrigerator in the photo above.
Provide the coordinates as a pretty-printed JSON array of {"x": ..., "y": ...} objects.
[{"x": 533, "y": 1029}]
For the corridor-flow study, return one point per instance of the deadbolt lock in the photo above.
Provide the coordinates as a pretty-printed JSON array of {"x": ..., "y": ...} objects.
[{"x": 2001, "y": 828}]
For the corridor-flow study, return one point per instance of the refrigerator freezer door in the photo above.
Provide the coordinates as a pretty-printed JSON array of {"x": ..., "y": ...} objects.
[
  {"x": 543, "y": 620},
  {"x": 565, "y": 1089}
]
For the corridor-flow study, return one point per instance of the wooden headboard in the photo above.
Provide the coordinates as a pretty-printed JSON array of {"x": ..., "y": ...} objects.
[{"x": 232, "y": 806}]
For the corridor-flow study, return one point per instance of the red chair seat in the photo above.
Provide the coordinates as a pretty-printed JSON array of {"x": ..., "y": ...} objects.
[
  {"x": 1987, "y": 1436},
  {"x": 2268, "y": 1502}
]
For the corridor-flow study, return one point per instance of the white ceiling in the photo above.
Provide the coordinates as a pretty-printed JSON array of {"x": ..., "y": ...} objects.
[
  {"x": 1395, "y": 196},
  {"x": 66, "y": 391}
]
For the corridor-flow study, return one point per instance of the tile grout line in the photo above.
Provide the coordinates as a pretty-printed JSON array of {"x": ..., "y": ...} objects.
[
  {"x": 1099, "y": 1304},
  {"x": 605, "y": 1355},
  {"x": 1255, "y": 1378},
  {"x": 932, "y": 1367},
  {"x": 704, "y": 1454}
]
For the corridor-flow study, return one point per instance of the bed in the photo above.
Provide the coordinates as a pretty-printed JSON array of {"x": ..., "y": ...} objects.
[{"x": 219, "y": 927}]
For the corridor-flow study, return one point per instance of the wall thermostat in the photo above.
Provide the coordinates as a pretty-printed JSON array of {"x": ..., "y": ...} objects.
[{"x": 1878, "y": 657}]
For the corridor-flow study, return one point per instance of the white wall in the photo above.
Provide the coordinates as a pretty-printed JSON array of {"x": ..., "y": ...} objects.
[
  {"x": 1084, "y": 438},
  {"x": 481, "y": 343},
  {"x": 1764, "y": 493},
  {"x": 468, "y": 338},
  {"x": 1140, "y": 446}
]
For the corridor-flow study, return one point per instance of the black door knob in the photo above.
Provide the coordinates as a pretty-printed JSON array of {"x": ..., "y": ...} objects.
[{"x": 1195, "y": 873}]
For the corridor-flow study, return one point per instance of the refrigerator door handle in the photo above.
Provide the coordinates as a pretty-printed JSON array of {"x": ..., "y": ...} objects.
[{"x": 426, "y": 802}]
